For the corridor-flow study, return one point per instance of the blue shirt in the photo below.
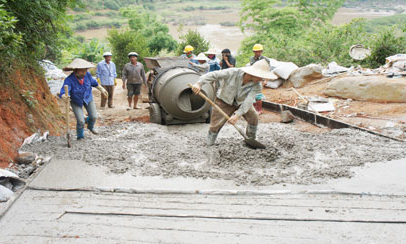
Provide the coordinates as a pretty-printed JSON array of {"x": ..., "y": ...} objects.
[
  {"x": 105, "y": 73},
  {"x": 214, "y": 64},
  {"x": 78, "y": 93}
]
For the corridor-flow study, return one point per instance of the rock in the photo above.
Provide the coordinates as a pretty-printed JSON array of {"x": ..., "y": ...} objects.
[
  {"x": 26, "y": 158},
  {"x": 287, "y": 116},
  {"x": 368, "y": 88},
  {"x": 5, "y": 193},
  {"x": 301, "y": 76}
]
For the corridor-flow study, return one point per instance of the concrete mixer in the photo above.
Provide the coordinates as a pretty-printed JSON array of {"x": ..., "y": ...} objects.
[{"x": 171, "y": 100}]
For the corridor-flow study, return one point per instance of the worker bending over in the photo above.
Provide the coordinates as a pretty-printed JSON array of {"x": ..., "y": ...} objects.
[{"x": 235, "y": 96}]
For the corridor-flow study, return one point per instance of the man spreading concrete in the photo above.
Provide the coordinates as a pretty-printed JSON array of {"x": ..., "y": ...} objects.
[
  {"x": 236, "y": 93},
  {"x": 133, "y": 77},
  {"x": 80, "y": 83},
  {"x": 203, "y": 67},
  {"x": 106, "y": 74},
  {"x": 258, "y": 49}
]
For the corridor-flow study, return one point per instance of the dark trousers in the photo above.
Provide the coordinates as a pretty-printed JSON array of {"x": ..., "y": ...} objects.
[{"x": 110, "y": 91}]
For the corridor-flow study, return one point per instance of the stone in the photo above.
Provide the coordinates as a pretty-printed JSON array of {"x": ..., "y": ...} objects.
[
  {"x": 368, "y": 88},
  {"x": 5, "y": 193},
  {"x": 287, "y": 116},
  {"x": 302, "y": 76},
  {"x": 26, "y": 158}
]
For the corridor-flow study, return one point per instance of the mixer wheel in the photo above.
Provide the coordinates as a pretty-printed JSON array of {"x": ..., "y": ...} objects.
[{"x": 155, "y": 114}]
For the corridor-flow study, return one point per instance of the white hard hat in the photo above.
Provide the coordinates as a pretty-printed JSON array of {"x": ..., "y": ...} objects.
[
  {"x": 133, "y": 54},
  {"x": 107, "y": 54}
]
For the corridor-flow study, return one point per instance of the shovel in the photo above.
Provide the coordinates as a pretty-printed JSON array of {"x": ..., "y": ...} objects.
[
  {"x": 67, "y": 116},
  {"x": 251, "y": 142}
]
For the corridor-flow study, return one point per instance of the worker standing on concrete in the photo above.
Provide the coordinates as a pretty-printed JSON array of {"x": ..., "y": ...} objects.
[
  {"x": 106, "y": 76},
  {"x": 228, "y": 60},
  {"x": 258, "y": 50},
  {"x": 188, "y": 53},
  {"x": 203, "y": 67},
  {"x": 236, "y": 94},
  {"x": 80, "y": 83},
  {"x": 214, "y": 62},
  {"x": 133, "y": 77}
]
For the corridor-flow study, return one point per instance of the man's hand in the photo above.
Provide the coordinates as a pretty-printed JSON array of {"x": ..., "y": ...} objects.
[
  {"x": 65, "y": 96},
  {"x": 225, "y": 57},
  {"x": 103, "y": 91},
  {"x": 123, "y": 85},
  {"x": 196, "y": 88},
  {"x": 233, "y": 119}
]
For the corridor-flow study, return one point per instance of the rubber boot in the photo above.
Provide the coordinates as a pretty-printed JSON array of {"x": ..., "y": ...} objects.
[
  {"x": 211, "y": 138},
  {"x": 90, "y": 126},
  {"x": 80, "y": 133},
  {"x": 251, "y": 131}
]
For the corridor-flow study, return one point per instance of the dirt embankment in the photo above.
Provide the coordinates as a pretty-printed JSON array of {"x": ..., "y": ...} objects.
[{"x": 26, "y": 106}]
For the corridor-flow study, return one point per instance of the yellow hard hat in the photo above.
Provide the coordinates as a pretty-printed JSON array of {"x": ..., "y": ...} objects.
[
  {"x": 188, "y": 48},
  {"x": 258, "y": 47}
]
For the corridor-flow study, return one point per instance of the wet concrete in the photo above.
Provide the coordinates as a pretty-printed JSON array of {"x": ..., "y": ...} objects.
[{"x": 291, "y": 157}]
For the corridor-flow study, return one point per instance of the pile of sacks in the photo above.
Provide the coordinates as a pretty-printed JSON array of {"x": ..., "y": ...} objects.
[
  {"x": 290, "y": 74},
  {"x": 54, "y": 76}
]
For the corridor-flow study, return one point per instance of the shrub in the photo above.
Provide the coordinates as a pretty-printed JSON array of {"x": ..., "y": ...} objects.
[
  {"x": 194, "y": 39},
  {"x": 123, "y": 42}
]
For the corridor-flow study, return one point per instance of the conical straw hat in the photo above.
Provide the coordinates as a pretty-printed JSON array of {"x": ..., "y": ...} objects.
[
  {"x": 201, "y": 57},
  {"x": 78, "y": 63},
  {"x": 260, "y": 69},
  {"x": 211, "y": 51}
]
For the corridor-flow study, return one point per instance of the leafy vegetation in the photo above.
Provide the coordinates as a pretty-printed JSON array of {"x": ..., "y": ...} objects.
[
  {"x": 301, "y": 32},
  {"x": 37, "y": 27},
  {"x": 124, "y": 42},
  {"x": 147, "y": 24},
  {"x": 194, "y": 39}
]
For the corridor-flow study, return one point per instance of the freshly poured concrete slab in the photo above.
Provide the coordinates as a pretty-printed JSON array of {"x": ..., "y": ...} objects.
[
  {"x": 386, "y": 178},
  {"x": 51, "y": 210}
]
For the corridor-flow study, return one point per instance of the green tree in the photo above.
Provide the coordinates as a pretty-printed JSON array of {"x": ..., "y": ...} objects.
[
  {"x": 194, "y": 39},
  {"x": 148, "y": 25},
  {"x": 41, "y": 23},
  {"x": 124, "y": 42},
  {"x": 10, "y": 39}
]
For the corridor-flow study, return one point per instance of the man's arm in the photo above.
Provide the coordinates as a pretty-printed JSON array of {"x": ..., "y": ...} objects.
[
  {"x": 249, "y": 100},
  {"x": 114, "y": 70},
  {"x": 124, "y": 76},
  {"x": 210, "y": 78},
  {"x": 143, "y": 74},
  {"x": 98, "y": 71}
]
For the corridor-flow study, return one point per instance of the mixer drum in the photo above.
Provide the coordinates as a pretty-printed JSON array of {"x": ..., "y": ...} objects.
[{"x": 178, "y": 101}]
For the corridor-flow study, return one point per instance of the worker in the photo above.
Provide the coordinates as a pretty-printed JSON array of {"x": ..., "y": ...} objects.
[
  {"x": 214, "y": 62},
  {"x": 228, "y": 60},
  {"x": 235, "y": 96},
  {"x": 133, "y": 76},
  {"x": 203, "y": 67},
  {"x": 188, "y": 53},
  {"x": 80, "y": 83},
  {"x": 106, "y": 76},
  {"x": 258, "y": 50}
]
